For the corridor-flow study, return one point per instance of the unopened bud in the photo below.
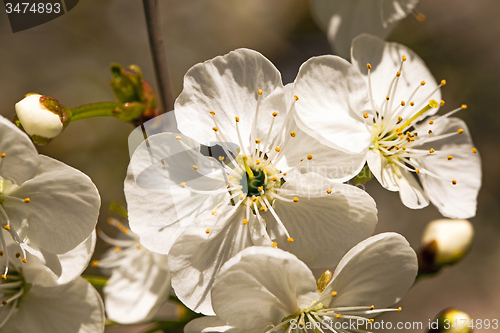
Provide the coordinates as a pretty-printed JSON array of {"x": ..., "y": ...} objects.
[
  {"x": 444, "y": 242},
  {"x": 451, "y": 321},
  {"x": 42, "y": 117}
]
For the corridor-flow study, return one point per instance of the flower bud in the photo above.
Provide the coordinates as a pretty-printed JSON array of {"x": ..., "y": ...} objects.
[
  {"x": 451, "y": 321},
  {"x": 42, "y": 117},
  {"x": 444, "y": 242}
]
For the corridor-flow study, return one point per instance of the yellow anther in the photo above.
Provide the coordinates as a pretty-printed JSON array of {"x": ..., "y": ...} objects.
[
  {"x": 329, "y": 191},
  {"x": 6, "y": 227},
  {"x": 254, "y": 199},
  {"x": 411, "y": 139},
  {"x": 274, "y": 244},
  {"x": 369, "y": 66},
  {"x": 422, "y": 83},
  {"x": 403, "y": 147},
  {"x": 138, "y": 247},
  {"x": 398, "y": 73},
  {"x": 230, "y": 178},
  {"x": 431, "y": 150},
  {"x": 371, "y": 320},
  {"x": 237, "y": 119},
  {"x": 284, "y": 174},
  {"x": 215, "y": 129},
  {"x": 117, "y": 249},
  {"x": 334, "y": 293},
  {"x": 396, "y": 147},
  {"x": 415, "y": 134},
  {"x": 431, "y": 122},
  {"x": 293, "y": 134},
  {"x": 443, "y": 82},
  {"x": 460, "y": 130},
  {"x": 399, "y": 309},
  {"x": 238, "y": 150},
  {"x": 214, "y": 213},
  {"x": 207, "y": 231},
  {"x": 245, "y": 221},
  {"x": 464, "y": 106},
  {"x": 387, "y": 97},
  {"x": 27, "y": 200},
  {"x": 257, "y": 162},
  {"x": 278, "y": 149},
  {"x": 1, "y": 253},
  {"x": 412, "y": 103},
  {"x": 274, "y": 179},
  {"x": 194, "y": 167},
  {"x": 339, "y": 316},
  {"x": 417, "y": 171},
  {"x": 178, "y": 138},
  {"x": 275, "y": 114},
  {"x": 260, "y": 188},
  {"x": 212, "y": 113},
  {"x": 421, "y": 18},
  {"x": 403, "y": 58},
  {"x": 474, "y": 150},
  {"x": 309, "y": 157},
  {"x": 4, "y": 302},
  {"x": 221, "y": 158},
  {"x": 257, "y": 141},
  {"x": 259, "y": 91},
  {"x": 125, "y": 230},
  {"x": 296, "y": 97},
  {"x": 183, "y": 184},
  {"x": 289, "y": 239},
  {"x": 372, "y": 307},
  {"x": 450, "y": 157},
  {"x": 2, "y": 155},
  {"x": 18, "y": 254},
  {"x": 295, "y": 199},
  {"x": 441, "y": 103},
  {"x": 403, "y": 103},
  {"x": 265, "y": 171},
  {"x": 24, "y": 260},
  {"x": 262, "y": 208},
  {"x": 4, "y": 277},
  {"x": 365, "y": 115},
  {"x": 398, "y": 130},
  {"x": 454, "y": 182},
  {"x": 430, "y": 132}
]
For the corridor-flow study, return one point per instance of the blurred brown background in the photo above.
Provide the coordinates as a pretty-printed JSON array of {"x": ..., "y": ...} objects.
[{"x": 69, "y": 59}]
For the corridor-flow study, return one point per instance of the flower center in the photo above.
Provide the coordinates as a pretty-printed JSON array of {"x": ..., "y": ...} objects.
[{"x": 395, "y": 137}]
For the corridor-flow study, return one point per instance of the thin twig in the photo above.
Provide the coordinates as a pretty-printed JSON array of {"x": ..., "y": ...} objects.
[{"x": 158, "y": 54}]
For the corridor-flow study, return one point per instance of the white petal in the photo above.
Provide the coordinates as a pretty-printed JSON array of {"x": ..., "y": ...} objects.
[
  {"x": 329, "y": 162},
  {"x": 196, "y": 258},
  {"x": 136, "y": 291},
  {"x": 324, "y": 226},
  {"x": 63, "y": 208},
  {"x": 164, "y": 191},
  {"x": 21, "y": 158},
  {"x": 385, "y": 59},
  {"x": 332, "y": 99},
  {"x": 411, "y": 193},
  {"x": 211, "y": 325},
  {"x": 260, "y": 286},
  {"x": 377, "y": 271},
  {"x": 344, "y": 20},
  {"x": 61, "y": 268},
  {"x": 229, "y": 85},
  {"x": 460, "y": 200},
  {"x": 75, "y": 307},
  {"x": 382, "y": 170}
]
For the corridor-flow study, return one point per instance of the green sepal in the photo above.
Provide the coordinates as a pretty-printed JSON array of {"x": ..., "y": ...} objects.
[
  {"x": 363, "y": 176},
  {"x": 127, "y": 86}
]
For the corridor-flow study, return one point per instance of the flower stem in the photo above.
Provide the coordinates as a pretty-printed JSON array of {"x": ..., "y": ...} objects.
[
  {"x": 158, "y": 54},
  {"x": 104, "y": 109}
]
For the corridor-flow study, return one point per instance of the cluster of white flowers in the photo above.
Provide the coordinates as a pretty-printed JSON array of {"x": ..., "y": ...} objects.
[{"x": 235, "y": 210}]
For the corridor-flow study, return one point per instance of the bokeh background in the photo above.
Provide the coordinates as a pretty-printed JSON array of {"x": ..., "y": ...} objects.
[{"x": 69, "y": 59}]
